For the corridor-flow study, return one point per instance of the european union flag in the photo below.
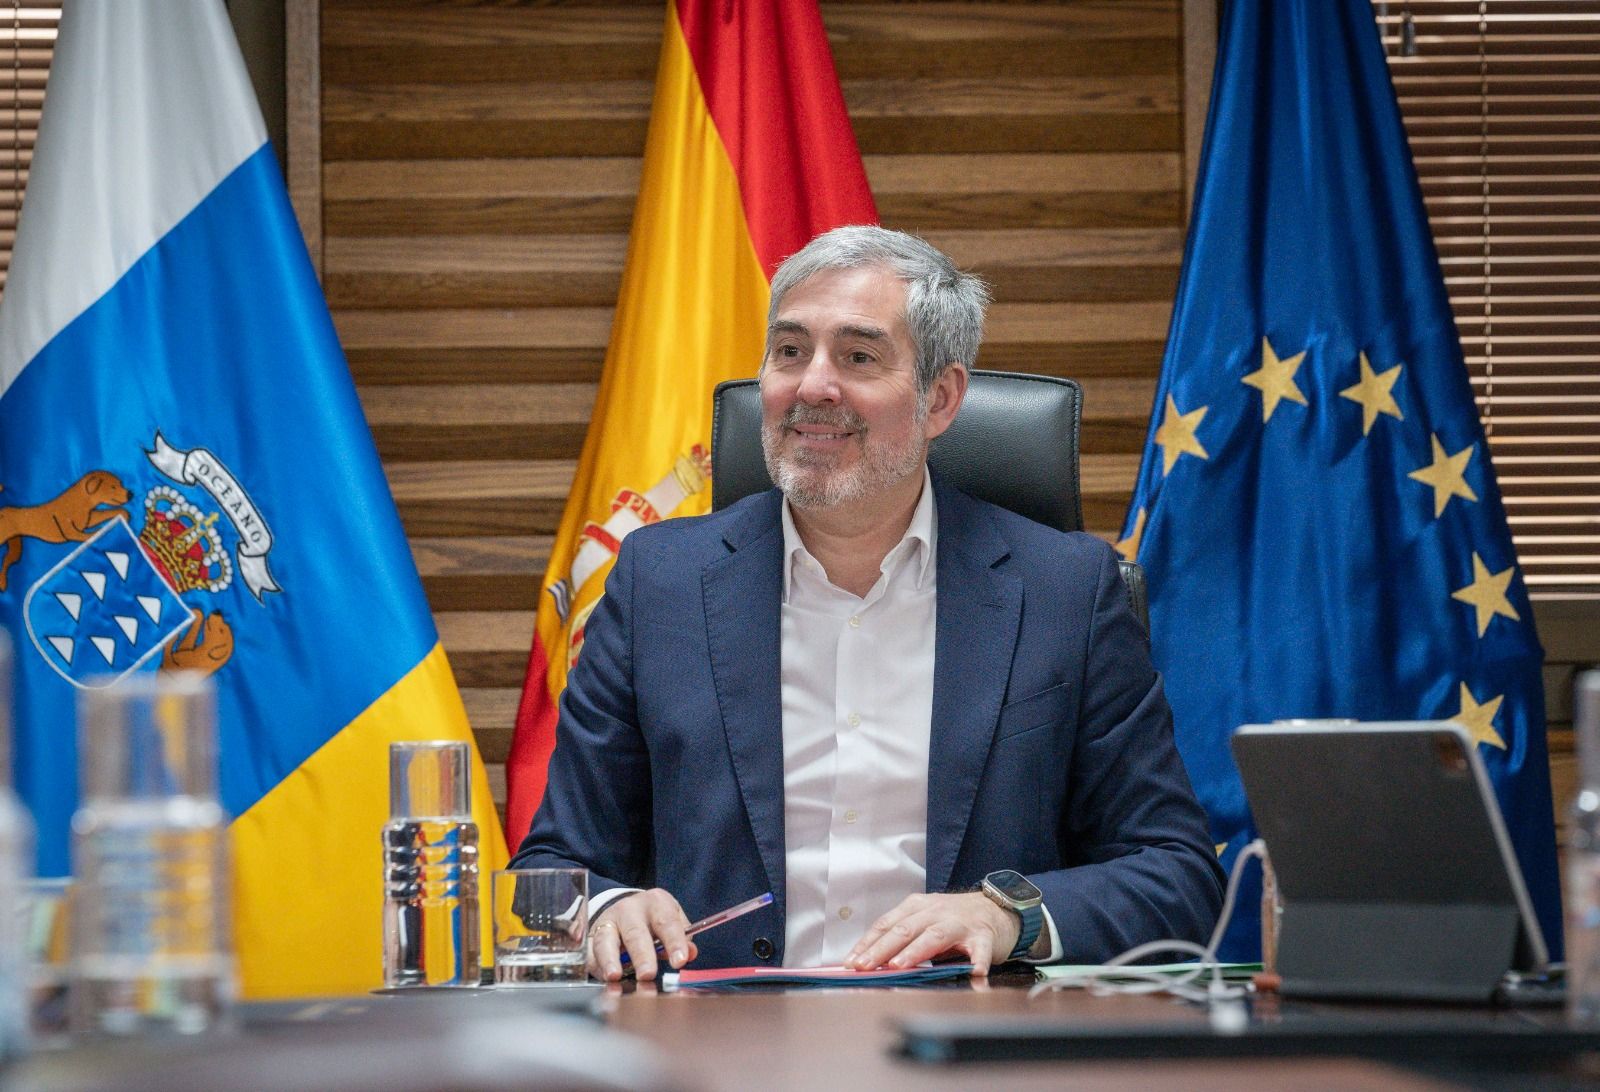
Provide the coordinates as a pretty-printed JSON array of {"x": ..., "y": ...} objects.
[{"x": 1316, "y": 507}]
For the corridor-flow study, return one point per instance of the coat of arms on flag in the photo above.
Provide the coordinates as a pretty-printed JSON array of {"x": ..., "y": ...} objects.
[
  {"x": 103, "y": 610},
  {"x": 114, "y": 600}
]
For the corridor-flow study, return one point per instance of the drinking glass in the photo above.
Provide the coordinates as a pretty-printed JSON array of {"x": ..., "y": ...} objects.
[{"x": 541, "y": 919}]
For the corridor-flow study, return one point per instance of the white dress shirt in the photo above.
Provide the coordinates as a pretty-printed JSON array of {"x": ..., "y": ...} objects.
[
  {"x": 857, "y": 682},
  {"x": 857, "y": 687}
]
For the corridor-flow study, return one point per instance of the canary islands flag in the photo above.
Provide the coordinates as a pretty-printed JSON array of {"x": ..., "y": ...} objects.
[
  {"x": 1316, "y": 508},
  {"x": 188, "y": 482},
  {"x": 749, "y": 155}
]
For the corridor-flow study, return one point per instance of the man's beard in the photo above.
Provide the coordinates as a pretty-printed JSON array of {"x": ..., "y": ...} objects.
[{"x": 810, "y": 481}]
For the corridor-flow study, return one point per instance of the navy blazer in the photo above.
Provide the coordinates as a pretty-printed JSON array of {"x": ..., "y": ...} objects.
[{"x": 1051, "y": 752}]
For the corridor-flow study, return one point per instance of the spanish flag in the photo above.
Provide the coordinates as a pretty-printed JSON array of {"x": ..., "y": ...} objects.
[{"x": 749, "y": 155}]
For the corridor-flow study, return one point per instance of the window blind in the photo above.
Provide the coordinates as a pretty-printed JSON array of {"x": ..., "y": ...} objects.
[
  {"x": 27, "y": 39},
  {"x": 1501, "y": 102}
]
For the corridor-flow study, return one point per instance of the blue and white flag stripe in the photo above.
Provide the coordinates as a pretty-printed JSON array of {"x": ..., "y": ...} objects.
[
  {"x": 147, "y": 59},
  {"x": 177, "y": 409}
]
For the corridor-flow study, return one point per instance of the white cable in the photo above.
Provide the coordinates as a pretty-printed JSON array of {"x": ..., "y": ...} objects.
[{"x": 1116, "y": 976}]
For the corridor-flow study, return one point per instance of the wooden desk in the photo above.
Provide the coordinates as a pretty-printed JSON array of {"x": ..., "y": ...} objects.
[
  {"x": 840, "y": 1040},
  {"x": 835, "y": 1040}
]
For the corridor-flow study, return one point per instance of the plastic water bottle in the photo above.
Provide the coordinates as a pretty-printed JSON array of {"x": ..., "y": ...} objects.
[
  {"x": 430, "y": 868},
  {"x": 149, "y": 937},
  {"x": 16, "y": 866},
  {"x": 1583, "y": 861}
]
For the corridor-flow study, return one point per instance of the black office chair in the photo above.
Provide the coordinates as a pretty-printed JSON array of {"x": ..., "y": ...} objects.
[{"x": 1014, "y": 443}]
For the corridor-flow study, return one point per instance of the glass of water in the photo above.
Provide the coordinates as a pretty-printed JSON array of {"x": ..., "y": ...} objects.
[
  {"x": 150, "y": 946},
  {"x": 541, "y": 920}
]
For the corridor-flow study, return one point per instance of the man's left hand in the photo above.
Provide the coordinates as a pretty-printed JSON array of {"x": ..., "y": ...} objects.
[{"x": 925, "y": 926}]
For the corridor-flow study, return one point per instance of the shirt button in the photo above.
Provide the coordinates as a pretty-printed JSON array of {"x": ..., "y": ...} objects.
[
  {"x": 844, "y": 913},
  {"x": 855, "y": 621},
  {"x": 854, "y": 720},
  {"x": 850, "y": 816}
]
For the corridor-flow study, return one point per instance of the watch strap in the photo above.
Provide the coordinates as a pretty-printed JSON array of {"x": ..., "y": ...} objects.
[{"x": 1032, "y": 923}]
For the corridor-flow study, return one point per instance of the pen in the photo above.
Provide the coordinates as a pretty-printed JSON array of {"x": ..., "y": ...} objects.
[{"x": 714, "y": 920}]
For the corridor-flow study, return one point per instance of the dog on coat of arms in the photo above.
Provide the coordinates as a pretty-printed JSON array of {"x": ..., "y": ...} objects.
[
  {"x": 70, "y": 517},
  {"x": 204, "y": 647}
]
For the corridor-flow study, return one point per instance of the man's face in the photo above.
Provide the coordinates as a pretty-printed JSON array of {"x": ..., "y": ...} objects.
[{"x": 841, "y": 416}]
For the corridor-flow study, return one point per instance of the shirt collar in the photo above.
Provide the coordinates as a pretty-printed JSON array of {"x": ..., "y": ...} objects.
[{"x": 920, "y": 540}]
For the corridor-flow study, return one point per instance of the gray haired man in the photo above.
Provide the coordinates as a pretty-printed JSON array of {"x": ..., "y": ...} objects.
[{"x": 928, "y": 725}]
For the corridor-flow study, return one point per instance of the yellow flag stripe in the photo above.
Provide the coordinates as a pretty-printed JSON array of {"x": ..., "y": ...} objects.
[
  {"x": 691, "y": 313},
  {"x": 308, "y": 896}
]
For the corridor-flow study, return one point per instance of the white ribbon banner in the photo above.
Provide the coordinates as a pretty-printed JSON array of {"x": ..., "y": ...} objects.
[{"x": 200, "y": 467}]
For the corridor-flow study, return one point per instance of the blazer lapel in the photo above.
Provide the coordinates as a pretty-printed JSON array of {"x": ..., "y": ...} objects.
[
  {"x": 743, "y": 628},
  {"x": 979, "y": 612}
]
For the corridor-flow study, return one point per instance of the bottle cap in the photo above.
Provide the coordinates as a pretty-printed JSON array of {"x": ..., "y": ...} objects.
[
  {"x": 149, "y": 736},
  {"x": 1586, "y": 726},
  {"x": 430, "y": 779}
]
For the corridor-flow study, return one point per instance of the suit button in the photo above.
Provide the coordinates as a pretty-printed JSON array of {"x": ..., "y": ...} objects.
[{"x": 762, "y": 948}]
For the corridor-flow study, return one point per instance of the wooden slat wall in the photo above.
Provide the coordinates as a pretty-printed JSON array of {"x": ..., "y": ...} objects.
[
  {"x": 480, "y": 162},
  {"x": 27, "y": 42}
]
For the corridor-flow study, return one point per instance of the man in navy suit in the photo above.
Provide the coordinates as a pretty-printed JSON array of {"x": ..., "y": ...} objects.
[{"x": 926, "y": 724}]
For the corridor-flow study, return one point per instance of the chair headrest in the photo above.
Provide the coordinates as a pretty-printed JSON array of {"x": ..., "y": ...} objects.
[{"x": 1014, "y": 443}]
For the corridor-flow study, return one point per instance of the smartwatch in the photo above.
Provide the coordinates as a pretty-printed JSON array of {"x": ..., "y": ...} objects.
[{"x": 1012, "y": 891}]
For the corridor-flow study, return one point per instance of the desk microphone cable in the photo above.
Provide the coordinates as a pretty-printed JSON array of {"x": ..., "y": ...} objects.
[{"x": 1119, "y": 976}]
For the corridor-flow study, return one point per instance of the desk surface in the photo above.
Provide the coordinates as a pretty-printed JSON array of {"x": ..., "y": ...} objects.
[
  {"x": 835, "y": 1040},
  {"x": 843, "y": 1039}
]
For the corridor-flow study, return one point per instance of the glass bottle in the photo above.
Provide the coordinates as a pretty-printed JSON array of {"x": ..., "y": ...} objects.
[
  {"x": 16, "y": 867},
  {"x": 151, "y": 950},
  {"x": 430, "y": 868},
  {"x": 1583, "y": 860}
]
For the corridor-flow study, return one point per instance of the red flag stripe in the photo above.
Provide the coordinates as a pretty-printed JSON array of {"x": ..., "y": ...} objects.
[
  {"x": 531, "y": 744},
  {"x": 770, "y": 85}
]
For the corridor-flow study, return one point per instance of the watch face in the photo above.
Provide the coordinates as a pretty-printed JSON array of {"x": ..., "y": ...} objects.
[{"x": 1013, "y": 885}]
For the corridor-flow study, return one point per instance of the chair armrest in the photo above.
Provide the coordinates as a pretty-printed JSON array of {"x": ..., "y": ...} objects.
[{"x": 1133, "y": 576}]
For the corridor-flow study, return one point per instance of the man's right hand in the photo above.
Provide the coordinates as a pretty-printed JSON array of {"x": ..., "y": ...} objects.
[{"x": 633, "y": 924}]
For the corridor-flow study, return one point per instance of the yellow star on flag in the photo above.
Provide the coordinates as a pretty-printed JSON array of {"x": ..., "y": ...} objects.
[
  {"x": 1445, "y": 475},
  {"x": 1374, "y": 392},
  {"x": 1487, "y": 593},
  {"x": 1275, "y": 380},
  {"x": 1176, "y": 435},
  {"x": 1478, "y": 720},
  {"x": 1129, "y": 547}
]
